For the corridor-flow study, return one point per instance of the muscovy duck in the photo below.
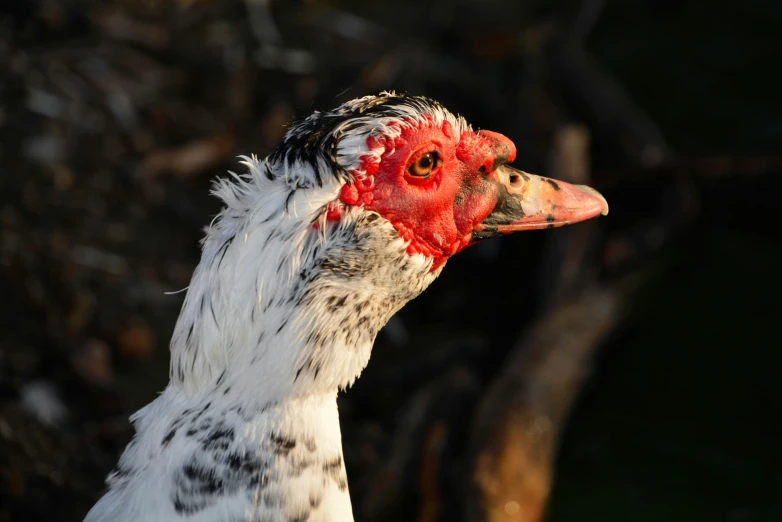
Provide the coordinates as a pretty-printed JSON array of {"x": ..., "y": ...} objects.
[{"x": 318, "y": 245}]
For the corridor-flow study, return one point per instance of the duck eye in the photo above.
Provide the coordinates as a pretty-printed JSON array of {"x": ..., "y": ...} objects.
[{"x": 424, "y": 165}]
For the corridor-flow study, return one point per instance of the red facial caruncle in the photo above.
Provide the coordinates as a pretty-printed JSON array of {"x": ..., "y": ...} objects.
[{"x": 439, "y": 188}]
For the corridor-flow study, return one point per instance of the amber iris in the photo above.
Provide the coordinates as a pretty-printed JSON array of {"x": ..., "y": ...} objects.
[{"x": 424, "y": 165}]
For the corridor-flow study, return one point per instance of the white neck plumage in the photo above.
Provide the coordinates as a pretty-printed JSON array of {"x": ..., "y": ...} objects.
[
  {"x": 279, "y": 308},
  {"x": 279, "y": 316}
]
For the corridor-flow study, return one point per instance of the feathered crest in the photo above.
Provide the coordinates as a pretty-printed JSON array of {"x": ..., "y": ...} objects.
[{"x": 331, "y": 144}]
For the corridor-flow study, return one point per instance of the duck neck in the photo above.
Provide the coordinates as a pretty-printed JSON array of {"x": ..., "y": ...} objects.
[{"x": 296, "y": 324}]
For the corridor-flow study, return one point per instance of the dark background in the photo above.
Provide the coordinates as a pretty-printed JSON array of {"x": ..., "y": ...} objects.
[{"x": 116, "y": 116}]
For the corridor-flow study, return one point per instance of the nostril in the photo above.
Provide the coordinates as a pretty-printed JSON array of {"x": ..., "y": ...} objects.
[{"x": 516, "y": 181}]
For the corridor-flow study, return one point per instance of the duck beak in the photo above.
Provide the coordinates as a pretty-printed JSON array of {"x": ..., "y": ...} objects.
[{"x": 530, "y": 202}]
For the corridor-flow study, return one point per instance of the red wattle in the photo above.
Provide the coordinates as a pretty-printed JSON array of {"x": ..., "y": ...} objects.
[
  {"x": 349, "y": 194},
  {"x": 334, "y": 212}
]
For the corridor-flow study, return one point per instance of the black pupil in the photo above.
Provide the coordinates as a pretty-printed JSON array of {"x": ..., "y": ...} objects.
[{"x": 425, "y": 162}]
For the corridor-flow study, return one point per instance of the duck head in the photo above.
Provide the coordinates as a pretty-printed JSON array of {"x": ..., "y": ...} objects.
[{"x": 353, "y": 214}]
